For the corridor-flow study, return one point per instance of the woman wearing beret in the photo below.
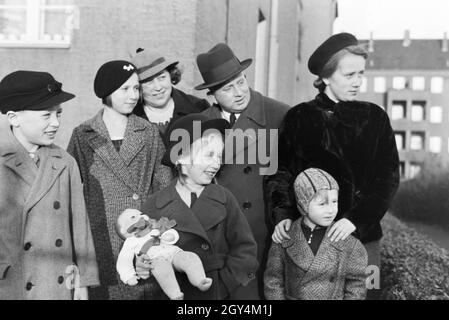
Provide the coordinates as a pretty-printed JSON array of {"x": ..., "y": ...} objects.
[
  {"x": 161, "y": 103},
  {"x": 352, "y": 140},
  {"x": 119, "y": 155},
  {"x": 46, "y": 247}
]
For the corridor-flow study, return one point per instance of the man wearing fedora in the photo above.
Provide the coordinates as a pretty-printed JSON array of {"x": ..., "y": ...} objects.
[
  {"x": 161, "y": 103},
  {"x": 245, "y": 109},
  {"x": 44, "y": 228}
]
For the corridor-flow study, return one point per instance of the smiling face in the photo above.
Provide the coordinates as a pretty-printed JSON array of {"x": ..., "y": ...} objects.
[
  {"x": 234, "y": 96},
  {"x": 344, "y": 84},
  {"x": 35, "y": 128},
  {"x": 157, "y": 92},
  {"x": 322, "y": 208},
  {"x": 124, "y": 99},
  {"x": 204, "y": 160}
]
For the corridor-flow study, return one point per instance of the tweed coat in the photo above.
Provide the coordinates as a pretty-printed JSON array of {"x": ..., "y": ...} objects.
[
  {"x": 243, "y": 178},
  {"x": 336, "y": 272},
  {"x": 354, "y": 142},
  {"x": 184, "y": 104},
  {"x": 216, "y": 230},
  {"x": 114, "y": 181},
  {"x": 44, "y": 227}
]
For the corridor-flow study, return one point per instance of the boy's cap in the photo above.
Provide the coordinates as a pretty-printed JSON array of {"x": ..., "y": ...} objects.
[
  {"x": 187, "y": 123},
  {"x": 111, "y": 76},
  {"x": 308, "y": 183},
  {"x": 31, "y": 90}
]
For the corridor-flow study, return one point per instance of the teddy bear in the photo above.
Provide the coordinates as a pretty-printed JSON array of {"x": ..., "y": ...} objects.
[{"x": 157, "y": 238}]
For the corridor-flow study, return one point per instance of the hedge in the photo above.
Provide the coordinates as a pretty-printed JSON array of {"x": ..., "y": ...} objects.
[{"x": 413, "y": 267}]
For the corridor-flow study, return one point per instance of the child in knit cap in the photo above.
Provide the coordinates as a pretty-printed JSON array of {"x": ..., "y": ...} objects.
[{"x": 309, "y": 265}]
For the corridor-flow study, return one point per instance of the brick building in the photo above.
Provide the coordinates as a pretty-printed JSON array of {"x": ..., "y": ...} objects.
[
  {"x": 72, "y": 38},
  {"x": 409, "y": 78}
]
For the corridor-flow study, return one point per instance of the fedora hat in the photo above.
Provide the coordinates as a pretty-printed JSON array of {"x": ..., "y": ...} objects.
[
  {"x": 327, "y": 49},
  {"x": 150, "y": 63},
  {"x": 219, "y": 65},
  {"x": 31, "y": 90},
  {"x": 187, "y": 123}
]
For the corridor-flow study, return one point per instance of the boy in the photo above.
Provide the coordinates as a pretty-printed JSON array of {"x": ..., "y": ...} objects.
[
  {"x": 46, "y": 247},
  {"x": 309, "y": 265}
]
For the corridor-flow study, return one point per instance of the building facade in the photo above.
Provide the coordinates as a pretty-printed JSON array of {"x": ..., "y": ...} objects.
[
  {"x": 72, "y": 38},
  {"x": 410, "y": 79}
]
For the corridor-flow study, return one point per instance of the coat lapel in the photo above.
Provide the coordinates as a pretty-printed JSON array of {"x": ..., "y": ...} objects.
[
  {"x": 298, "y": 249},
  {"x": 196, "y": 220},
  {"x": 16, "y": 157},
  {"x": 133, "y": 140},
  {"x": 51, "y": 166},
  {"x": 101, "y": 144}
]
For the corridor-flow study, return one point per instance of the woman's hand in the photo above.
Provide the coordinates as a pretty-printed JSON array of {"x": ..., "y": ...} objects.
[
  {"x": 341, "y": 230},
  {"x": 80, "y": 293},
  {"x": 143, "y": 266},
  {"x": 280, "y": 231}
]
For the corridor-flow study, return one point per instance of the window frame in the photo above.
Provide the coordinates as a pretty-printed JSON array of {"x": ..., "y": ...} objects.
[{"x": 35, "y": 17}]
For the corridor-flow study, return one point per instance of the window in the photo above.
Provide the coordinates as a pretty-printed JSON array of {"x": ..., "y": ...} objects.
[
  {"x": 398, "y": 83},
  {"x": 418, "y": 110},
  {"x": 400, "y": 139},
  {"x": 37, "y": 23},
  {"x": 398, "y": 111},
  {"x": 436, "y": 114},
  {"x": 418, "y": 83},
  {"x": 402, "y": 168},
  {"x": 380, "y": 85},
  {"x": 415, "y": 169},
  {"x": 364, "y": 85},
  {"x": 436, "y": 84},
  {"x": 417, "y": 140},
  {"x": 435, "y": 144}
]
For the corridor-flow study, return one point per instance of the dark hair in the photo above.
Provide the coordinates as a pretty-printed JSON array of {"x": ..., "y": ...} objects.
[
  {"x": 107, "y": 101},
  {"x": 175, "y": 74},
  {"x": 332, "y": 64}
]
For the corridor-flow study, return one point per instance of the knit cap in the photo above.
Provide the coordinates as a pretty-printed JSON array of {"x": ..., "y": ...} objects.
[{"x": 308, "y": 183}]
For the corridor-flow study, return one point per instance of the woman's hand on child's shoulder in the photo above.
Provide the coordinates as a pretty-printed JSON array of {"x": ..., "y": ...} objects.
[
  {"x": 280, "y": 231},
  {"x": 341, "y": 229}
]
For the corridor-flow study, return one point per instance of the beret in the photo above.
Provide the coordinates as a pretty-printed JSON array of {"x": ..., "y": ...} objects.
[
  {"x": 111, "y": 76},
  {"x": 31, "y": 90},
  {"x": 327, "y": 49}
]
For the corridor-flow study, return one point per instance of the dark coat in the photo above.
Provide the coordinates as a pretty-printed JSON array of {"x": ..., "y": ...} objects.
[
  {"x": 114, "y": 181},
  {"x": 336, "y": 272},
  {"x": 354, "y": 142},
  {"x": 184, "y": 104},
  {"x": 244, "y": 180},
  {"x": 216, "y": 230},
  {"x": 44, "y": 228}
]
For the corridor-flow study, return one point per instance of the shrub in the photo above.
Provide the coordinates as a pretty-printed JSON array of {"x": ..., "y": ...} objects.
[
  {"x": 413, "y": 267},
  {"x": 424, "y": 198}
]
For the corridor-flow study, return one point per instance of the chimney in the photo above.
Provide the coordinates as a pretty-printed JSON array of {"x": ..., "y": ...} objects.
[
  {"x": 444, "y": 46},
  {"x": 407, "y": 41},
  {"x": 371, "y": 42}
]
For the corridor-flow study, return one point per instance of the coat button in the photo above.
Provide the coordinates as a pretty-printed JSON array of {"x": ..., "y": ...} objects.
[
  {"x": 58, "y": 243},
  {"x": 135, "y": 196},
  {"x": 247, "y": 205},
  {"x": 247, "y": 170},
  {"x": 251, "y": 275},
  {"x": 27, "y": 246},
  {"x": 60, "y": 279},
  {"x": 56, "y": 205},
  {"x": 205, "y": 246},
  {"x": 29, "y": 286},
  {"x": 332, "y": 279}
]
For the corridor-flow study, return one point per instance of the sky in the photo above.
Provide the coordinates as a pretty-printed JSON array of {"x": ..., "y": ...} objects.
[{"x": 387, "y": 19}]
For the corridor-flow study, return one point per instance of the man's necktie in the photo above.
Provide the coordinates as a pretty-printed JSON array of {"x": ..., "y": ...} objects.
[
  {"x": 193, "y": 198},
  {"x": 232, "y": 119}
]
